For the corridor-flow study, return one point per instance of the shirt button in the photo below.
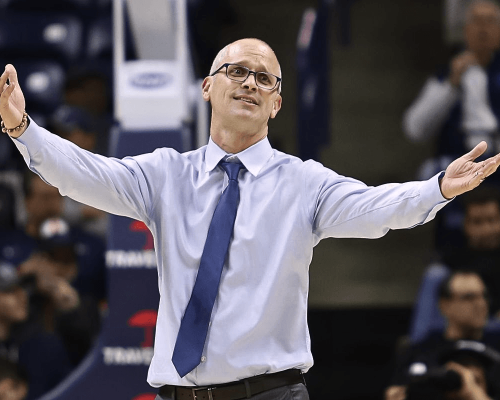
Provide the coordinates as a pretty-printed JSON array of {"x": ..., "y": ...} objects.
[{"x": 203, "y": 358}]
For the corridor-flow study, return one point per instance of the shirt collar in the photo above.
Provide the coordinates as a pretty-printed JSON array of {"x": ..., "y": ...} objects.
[{"x": 253, "y": 158}]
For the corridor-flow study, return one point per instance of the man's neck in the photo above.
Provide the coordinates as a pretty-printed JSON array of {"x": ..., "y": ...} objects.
[
  {"x": 233, "y": 141},
  {"x": 484, "y": 58},
  {"x": 457, "y": 333}
]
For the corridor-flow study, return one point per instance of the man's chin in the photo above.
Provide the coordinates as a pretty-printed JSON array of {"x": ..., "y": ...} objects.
[{"x": 245, "y": 114}]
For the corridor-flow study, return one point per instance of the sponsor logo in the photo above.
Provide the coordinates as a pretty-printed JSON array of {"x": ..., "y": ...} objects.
[
  {"x": 134, "y": 258},
  {"x": 151, "y": 80},
  {"x": 127, "y": 355},
  {"x": 139, "y": 226},
  {"x": 145, "y": 396},
  {"x": 130, "y": 259},
  {"x": 145, "y": 319}
]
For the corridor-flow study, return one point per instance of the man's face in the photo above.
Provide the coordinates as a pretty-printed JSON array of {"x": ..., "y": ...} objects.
[
  {"x": 44, "y": 201},
  {"x": 14, "y": 305},
  {"x": 236, "y": 103},
  {"x": 482, "y": 28},
  {"x": 13, "y": 390},
  {"x": 482, "y": 226},
  {"x": 467, "y": 308}
]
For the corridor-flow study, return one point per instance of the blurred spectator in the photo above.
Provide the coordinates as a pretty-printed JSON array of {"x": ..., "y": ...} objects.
[
  {"x": 463, "y": 301},
  {"x": 89, "y": 91},
  {"x": 73, "y": 124},
  {"x": 43, "y": 202},
  {"x": 467, "y": 370},
  {"x": 461, "y": 105},
  {"x": 56, "y": 304},
  {"x": 13, "y": 381},
  {"x": 68, "y": 264},
  {"x": 479, "y": 248},
  {"x": 42, "y": 355}
]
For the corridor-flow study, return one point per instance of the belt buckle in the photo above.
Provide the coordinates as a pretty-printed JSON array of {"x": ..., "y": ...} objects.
[{"x": 208, "y": 389}]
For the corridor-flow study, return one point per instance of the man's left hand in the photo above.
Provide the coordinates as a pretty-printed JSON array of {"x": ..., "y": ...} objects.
[{"x": 464, "y": 174}]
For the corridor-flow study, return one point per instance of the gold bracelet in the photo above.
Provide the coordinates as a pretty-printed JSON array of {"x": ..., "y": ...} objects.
[{"x": 23, "y": 123}]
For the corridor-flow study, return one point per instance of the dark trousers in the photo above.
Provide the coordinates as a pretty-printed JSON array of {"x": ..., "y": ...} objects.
[{"x": 291, "y": 392}]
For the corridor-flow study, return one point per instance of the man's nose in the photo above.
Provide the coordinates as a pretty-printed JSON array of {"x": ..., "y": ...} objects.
[{"x": 250, "y": 82}]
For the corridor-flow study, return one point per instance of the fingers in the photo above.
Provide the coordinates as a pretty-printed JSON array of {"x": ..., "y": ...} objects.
[
  {"x": 12, "y": 73},
  {"x": 489, "y": 166},
  {"x": 3, "y": 79},
  {"x": 7, "y": 89},
  {"x": 7, "y": 92},
  {"x": 476, "y": 151}
]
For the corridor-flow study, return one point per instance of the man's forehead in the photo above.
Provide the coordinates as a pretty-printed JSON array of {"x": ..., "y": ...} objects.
[
  {"x": 466, "y": 282},
  {"x": 483, "y": 207},
  {"x": 251, "y": 51},
  {"x": 484, "y": 8}
]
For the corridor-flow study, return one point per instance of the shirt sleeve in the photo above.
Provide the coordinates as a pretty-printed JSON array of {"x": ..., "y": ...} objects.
[
  {"x": 345, "y": 207},
  {"x": 427, "y": 113},
  {"x": 116, "y": 186}
]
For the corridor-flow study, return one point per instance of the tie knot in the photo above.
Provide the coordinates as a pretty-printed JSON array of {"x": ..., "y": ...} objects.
[{"x": 232, "y": 169}]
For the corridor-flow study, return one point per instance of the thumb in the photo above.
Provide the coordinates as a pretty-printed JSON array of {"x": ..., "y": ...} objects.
[{"x": 476, "y": 151}]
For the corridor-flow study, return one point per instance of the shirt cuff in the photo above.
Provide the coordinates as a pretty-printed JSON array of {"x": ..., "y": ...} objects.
[
  {"x": 432, "y": 195},
  {"x": 30, "y": 141}
]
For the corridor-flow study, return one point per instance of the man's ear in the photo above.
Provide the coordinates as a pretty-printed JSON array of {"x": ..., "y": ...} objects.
[
  {"x": 276, "y": 106},
  {"x": 205, "y": 88}
]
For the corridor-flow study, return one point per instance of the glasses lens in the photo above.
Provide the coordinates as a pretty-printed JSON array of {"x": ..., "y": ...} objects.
[
  {"x": 266, "y": 80},
  {"x": 240, "y": 74},
  {"x": 237, "y": 72}
]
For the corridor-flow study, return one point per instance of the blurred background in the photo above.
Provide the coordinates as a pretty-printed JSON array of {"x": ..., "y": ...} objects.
[{"x": 123, "y": 77}]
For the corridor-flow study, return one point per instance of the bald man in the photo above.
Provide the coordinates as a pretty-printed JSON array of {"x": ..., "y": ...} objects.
[{"x": 250, "y": 340}]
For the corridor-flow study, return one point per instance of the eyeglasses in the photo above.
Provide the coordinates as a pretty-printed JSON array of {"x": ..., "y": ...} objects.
[
  {"x": 471, "y": 296},
  {"x": 238, "y": 73}
]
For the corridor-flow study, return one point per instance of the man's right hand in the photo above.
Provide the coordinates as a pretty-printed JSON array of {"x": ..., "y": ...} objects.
[
  {"x": 459, "y": 64},
  {"x": 471, "y": 388},
  {"x": 12, "y": 102}
]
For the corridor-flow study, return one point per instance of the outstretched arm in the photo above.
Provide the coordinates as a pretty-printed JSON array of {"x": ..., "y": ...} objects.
[
  {"x": 465, "y": 174},
  {"x": 117, "y": 186}
]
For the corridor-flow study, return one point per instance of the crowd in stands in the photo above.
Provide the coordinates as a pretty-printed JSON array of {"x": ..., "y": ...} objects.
[
  {"x": 52, "y": 268},
  {"x": 52, "y": 249},
  {"x": 453, "y": 351},
  {"x": 52, "y": 264}
]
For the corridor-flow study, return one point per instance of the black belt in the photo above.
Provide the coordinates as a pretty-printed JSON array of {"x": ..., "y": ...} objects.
[{"x": 243, "y": 389}]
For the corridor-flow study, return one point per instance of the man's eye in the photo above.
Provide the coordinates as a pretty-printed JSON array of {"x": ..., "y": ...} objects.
[{"x": 264, "y": 78}]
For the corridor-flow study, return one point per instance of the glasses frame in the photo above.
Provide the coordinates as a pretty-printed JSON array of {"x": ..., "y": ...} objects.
[
  {"x": 470, "y": 297},
  {"x": 249, "y": 72}
]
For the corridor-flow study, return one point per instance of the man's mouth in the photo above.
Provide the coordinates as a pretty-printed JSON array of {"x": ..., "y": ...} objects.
[{"x": 246, "y": 99}]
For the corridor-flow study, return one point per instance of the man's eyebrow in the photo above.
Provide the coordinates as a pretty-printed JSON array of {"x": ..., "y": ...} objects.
[{"x": 244, "y": 64}]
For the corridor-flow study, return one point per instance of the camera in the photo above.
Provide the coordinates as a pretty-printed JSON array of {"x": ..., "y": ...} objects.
[{"x": 433, "y": 382}]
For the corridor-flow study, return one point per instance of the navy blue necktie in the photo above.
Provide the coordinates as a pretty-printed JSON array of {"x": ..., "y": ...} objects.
[{"x": 194, "y": 325}]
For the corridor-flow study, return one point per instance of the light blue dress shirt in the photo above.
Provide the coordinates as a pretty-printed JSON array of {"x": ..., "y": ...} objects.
[{"x": 259, "y": 321}]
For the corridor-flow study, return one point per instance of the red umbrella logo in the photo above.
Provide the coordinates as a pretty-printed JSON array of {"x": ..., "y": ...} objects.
[
  {"x": 145, "y": 319},
  {"x": 145, "y": 396},
  {"x": 139, "y": 226}
]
